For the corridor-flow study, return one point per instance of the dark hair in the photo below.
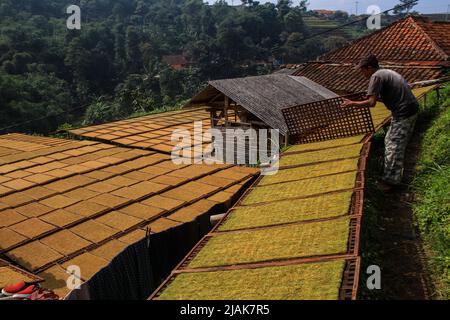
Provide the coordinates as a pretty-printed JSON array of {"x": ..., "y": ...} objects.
[{"x": 369, "y": 61}]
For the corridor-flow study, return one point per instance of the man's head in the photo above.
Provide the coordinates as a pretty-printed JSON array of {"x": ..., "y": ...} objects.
[{"x": 369, "y": 65}]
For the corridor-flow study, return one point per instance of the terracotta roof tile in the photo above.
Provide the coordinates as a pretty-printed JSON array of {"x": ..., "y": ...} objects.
[
  {"x": 405, "y": 40},
  {"x": 343, "y": 78}
]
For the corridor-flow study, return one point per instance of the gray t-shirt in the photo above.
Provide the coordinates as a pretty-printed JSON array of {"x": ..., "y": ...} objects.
[{"x": 395, "y": 92}]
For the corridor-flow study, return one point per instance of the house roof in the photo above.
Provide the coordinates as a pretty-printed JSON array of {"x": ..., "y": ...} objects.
[
  {"x": 411, "y": 40},
  {"x": 265, "y": 96},
  {"x": 83, "y": 202},
  {"x": 344, "y": 78},
  {"x": 175, "y": 60}
]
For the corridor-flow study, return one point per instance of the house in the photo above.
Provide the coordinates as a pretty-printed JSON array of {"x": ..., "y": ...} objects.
[
  {"x": 177, "y": 62},
  {"x": 324, "y": 13},
  {"x": 256, "y": 102},
  {"x": 416, "y": 47}
]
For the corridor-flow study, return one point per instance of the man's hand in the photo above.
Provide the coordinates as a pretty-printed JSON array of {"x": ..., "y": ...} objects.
[{"x": 347, "y": 103}]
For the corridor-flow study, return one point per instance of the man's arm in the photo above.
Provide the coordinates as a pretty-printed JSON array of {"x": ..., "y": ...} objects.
[{"x": 368, "y": 103}]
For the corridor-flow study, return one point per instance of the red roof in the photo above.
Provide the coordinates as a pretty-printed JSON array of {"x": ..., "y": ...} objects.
[
  {"x": 415, "y": 47},
  {"x": 325, "y": 12},
  {"x": 343, "y": 78},
  {"x": 411, "y": 40},
  {"x": 175, "y": 60}
]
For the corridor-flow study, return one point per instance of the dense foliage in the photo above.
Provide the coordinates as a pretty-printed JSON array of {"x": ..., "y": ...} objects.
[
  {"x": 113, "y": 66},
  {"x": 433, "y": 198}
]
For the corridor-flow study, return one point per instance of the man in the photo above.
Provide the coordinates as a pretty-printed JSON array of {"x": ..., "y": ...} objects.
[{"x": 396, "y": 94}]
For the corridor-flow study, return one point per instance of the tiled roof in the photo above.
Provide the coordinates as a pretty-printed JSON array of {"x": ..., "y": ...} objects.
[
  {"x": 175, "y": 59},
  {"x": 410, "y": 40},
  {"x": 84, "y": 201},
  {"x": 344, "y": 78},
  {"x": 151, "y": 132}
]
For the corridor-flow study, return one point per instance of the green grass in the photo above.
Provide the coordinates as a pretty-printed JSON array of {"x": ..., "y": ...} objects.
[
  {"x": 431, "y": 186},
  {"x": 315, "y": 281},
  {"x": 293, "y": 241},
  {"x": 288, "y": 211}
]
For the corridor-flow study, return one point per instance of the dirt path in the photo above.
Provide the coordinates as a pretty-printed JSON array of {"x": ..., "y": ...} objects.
[{"x": 402, "y": 258}]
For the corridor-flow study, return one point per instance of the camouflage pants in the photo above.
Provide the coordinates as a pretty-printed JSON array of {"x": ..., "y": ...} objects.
[{"x": 396, "y": 141}]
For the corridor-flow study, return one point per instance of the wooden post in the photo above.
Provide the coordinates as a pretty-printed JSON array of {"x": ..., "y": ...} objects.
[
  {"x": 227, "y": 105},
  {"x": 286, "y": 139},
  {"x": 213, "y": 115}
]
